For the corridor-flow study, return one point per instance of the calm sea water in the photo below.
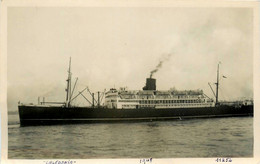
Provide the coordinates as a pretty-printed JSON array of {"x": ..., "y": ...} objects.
[{"x": 218, "y": 137}]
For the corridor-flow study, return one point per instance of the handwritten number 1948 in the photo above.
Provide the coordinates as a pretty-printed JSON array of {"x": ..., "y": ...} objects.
[{"x": 146, "y": 160}]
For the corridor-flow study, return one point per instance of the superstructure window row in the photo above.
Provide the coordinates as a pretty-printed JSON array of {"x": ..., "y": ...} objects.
[{"x": 169, "y": 101}]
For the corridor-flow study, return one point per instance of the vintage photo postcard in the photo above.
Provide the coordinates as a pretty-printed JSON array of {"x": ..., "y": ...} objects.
[{"x": 140, "y": 82}]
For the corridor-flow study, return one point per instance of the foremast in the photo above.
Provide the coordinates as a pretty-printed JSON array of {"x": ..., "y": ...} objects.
[{"x": 68, "y": 89}]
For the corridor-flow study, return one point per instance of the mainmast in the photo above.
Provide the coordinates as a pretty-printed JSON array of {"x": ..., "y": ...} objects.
[
  {"x": 217, "y": 85},
  {"x": 68, "y": 89}
]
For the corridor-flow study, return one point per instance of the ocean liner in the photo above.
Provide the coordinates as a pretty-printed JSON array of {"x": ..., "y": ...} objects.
[{"x": 132, "y": 105}]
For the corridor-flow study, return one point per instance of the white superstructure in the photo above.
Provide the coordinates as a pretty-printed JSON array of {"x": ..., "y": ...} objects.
[{"x": 131, "y": 99}]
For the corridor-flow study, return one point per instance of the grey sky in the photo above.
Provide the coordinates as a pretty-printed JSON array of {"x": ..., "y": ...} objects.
[{"x": 121, "y": 46}]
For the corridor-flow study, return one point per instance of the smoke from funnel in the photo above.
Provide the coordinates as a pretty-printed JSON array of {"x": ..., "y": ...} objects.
[{"x": 159, "y": 65}]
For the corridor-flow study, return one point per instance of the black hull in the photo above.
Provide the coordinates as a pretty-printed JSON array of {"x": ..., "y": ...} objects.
[{"x": 42, "y": 115}]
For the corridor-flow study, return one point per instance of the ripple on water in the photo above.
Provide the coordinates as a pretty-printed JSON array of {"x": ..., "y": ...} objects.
[{"x": 158, "y": 139}]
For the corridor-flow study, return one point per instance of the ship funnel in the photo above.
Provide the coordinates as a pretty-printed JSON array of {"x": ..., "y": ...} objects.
[{"x": 150, "y": 84}]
